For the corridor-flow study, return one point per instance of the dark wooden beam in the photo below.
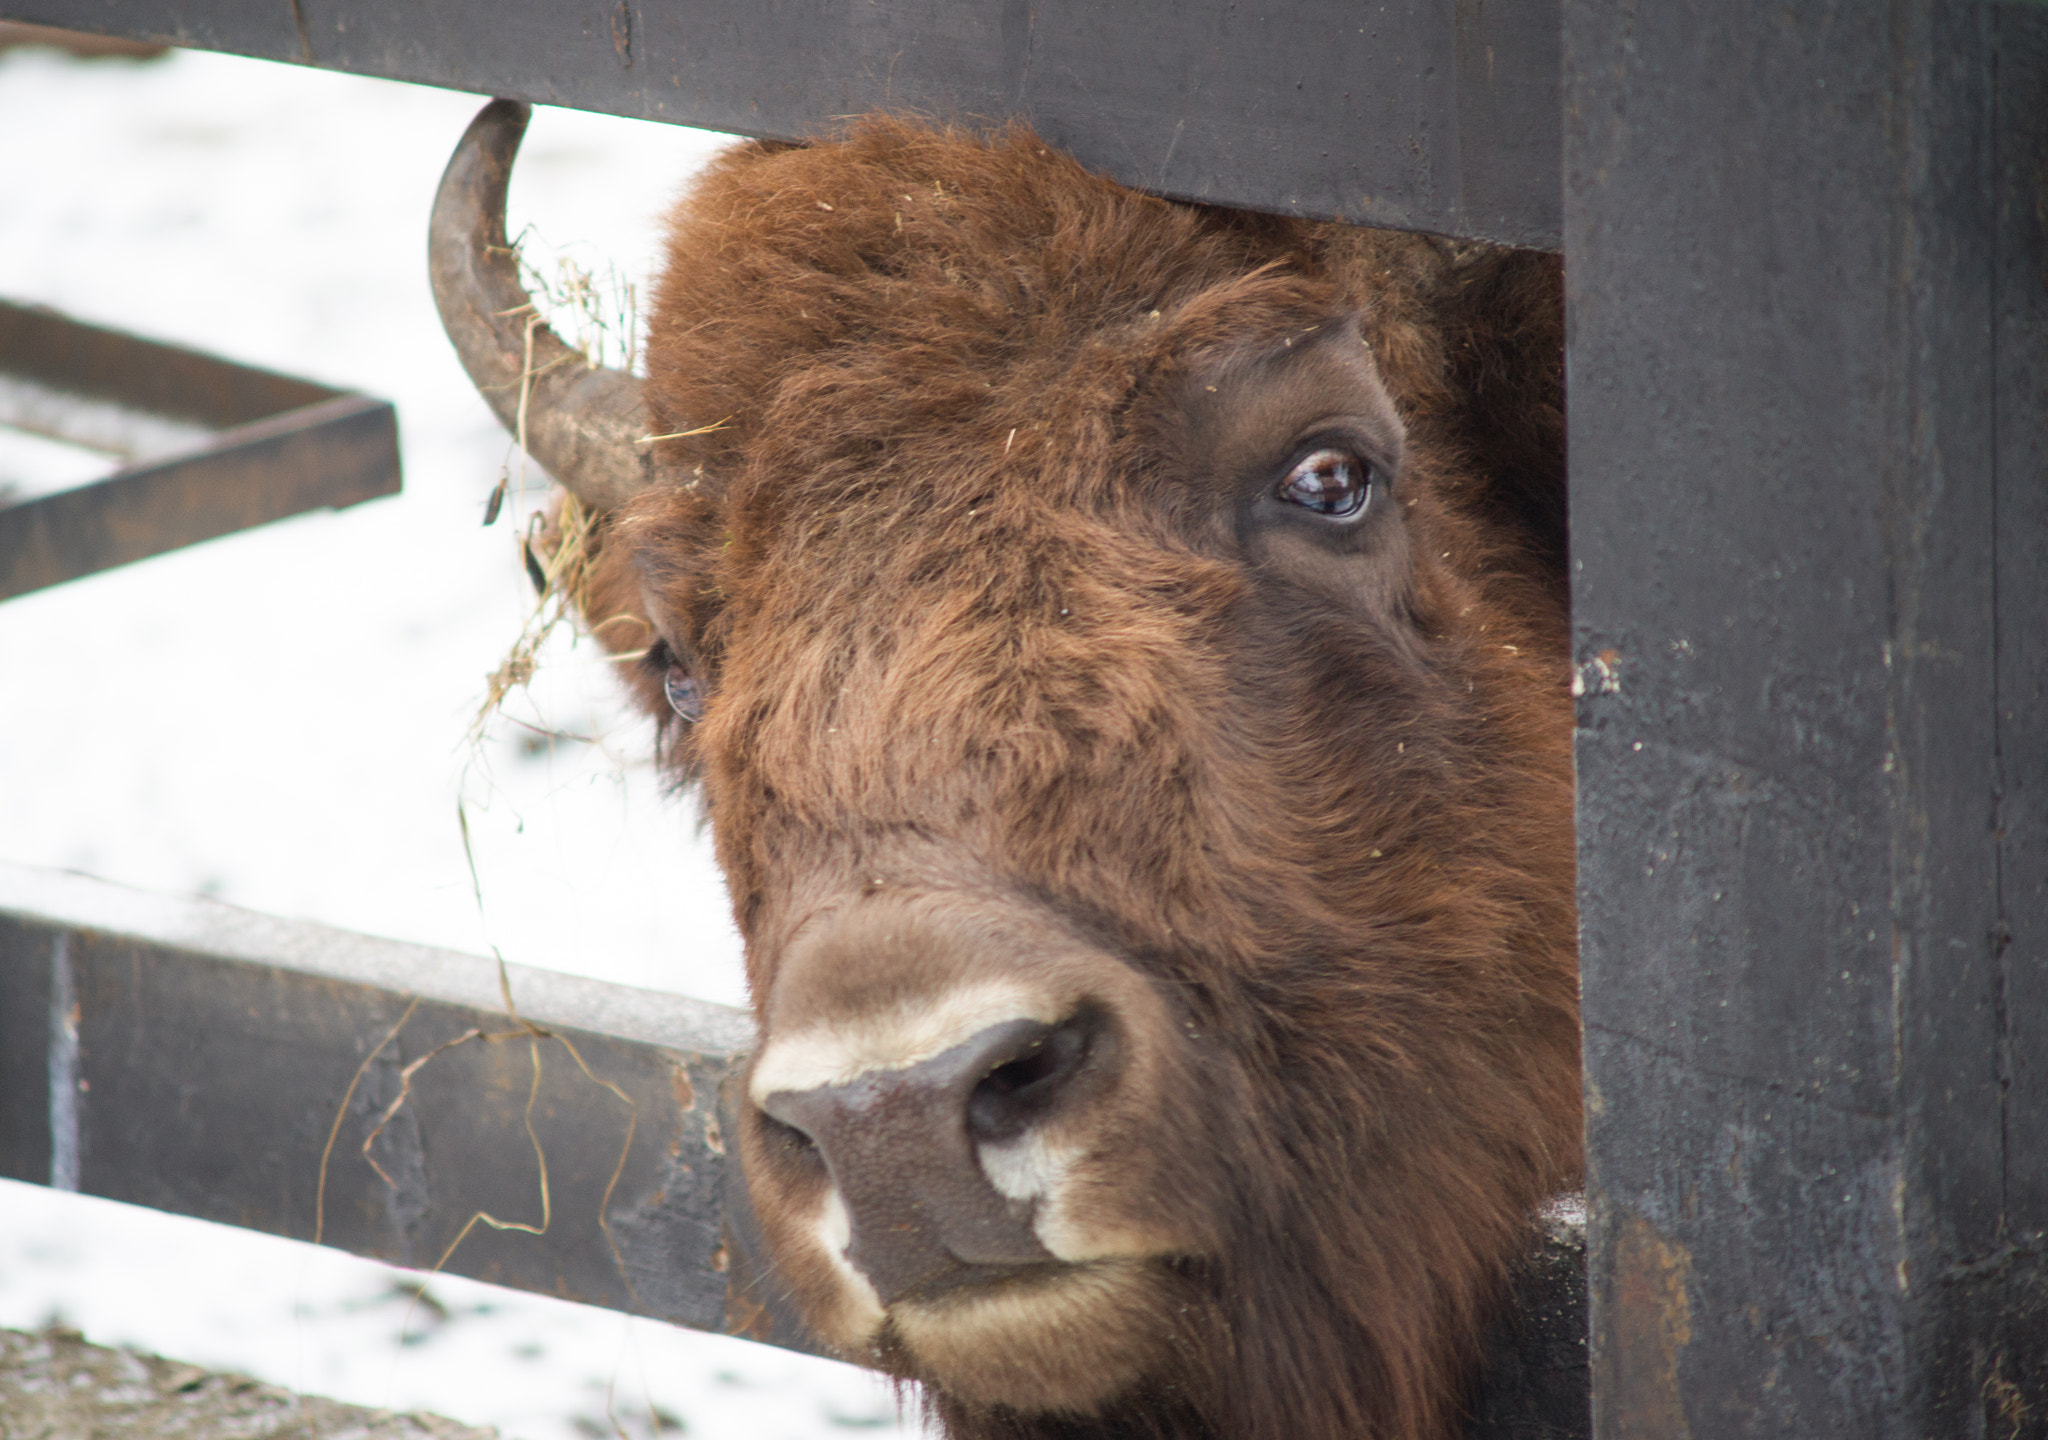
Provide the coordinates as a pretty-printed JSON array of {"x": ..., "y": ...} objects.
[
  {"x": 196, "y": 1058},
  {"x": 253, "y": 447},
  {"x": 1435, "y": 115},
  {"x": 1809, "y": 447}
]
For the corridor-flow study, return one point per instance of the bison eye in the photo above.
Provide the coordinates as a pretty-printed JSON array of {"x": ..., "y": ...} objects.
[
  {"x": 683, "y": 695},
  {"x": 1330, "y": 482}
]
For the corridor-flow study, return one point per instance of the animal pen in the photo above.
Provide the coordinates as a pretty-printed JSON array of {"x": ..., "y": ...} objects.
[{"x": 1807, "y": 361}]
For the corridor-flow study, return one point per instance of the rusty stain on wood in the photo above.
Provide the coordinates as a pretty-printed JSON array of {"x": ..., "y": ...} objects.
[{"x": 1647, "y": 1325}]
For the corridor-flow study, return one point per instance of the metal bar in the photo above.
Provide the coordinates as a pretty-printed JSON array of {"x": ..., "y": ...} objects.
[
  {"x": 199, "y": 1059},
  {"x": 1436, "y": 115},
  {"x": 284, "y": 446},
  {"x": 1807, "y": 434}
]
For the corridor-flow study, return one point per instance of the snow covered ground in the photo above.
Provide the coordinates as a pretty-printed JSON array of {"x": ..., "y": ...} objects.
[{"x": 280, "y": 719}]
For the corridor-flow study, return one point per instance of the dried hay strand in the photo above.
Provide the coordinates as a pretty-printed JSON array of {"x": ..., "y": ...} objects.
[
  {"x": 602, "y": 311},
  {"x": 599, "y": 317},
  {"x": 559, "y": 555},
  {"x": 557, "y": 548}
]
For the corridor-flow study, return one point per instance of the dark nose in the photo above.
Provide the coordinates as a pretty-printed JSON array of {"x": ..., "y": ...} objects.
[{"x": 900, "y": 1145}]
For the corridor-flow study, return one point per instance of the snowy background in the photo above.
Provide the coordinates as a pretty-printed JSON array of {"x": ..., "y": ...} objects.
[{"x": 280, "y": 719}]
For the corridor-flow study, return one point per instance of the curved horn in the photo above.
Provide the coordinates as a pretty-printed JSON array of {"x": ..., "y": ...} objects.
[{"x": 582, "y": 422}]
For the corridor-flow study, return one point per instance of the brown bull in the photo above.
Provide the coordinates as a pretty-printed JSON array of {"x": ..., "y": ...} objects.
[{"x": 1122, "y": 648}]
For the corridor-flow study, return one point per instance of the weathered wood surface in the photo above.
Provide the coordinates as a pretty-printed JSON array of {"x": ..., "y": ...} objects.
[
  {"x": 256, "y": 447},
  {"x": 1809, "y": 452},
  {"x": 377, "y": 1096},
  {"x": 1435, "y": 115}
]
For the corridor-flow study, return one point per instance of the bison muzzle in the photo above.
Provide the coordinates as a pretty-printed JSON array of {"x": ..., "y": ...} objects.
[{"x": 1122, "y": 649}]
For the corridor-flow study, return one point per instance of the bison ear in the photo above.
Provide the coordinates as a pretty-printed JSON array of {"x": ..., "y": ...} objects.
[{"x": 582, "y": 423}]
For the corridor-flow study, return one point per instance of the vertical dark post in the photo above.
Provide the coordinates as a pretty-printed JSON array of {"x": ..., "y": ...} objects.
[{"x": 1809, "y": 522}]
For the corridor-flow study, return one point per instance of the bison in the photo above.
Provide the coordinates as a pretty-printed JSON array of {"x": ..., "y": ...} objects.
[{"x": 1122, "y": 648}]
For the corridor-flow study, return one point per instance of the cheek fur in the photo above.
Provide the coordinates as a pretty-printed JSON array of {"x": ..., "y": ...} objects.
[{"x": 1066, "y": 1345}]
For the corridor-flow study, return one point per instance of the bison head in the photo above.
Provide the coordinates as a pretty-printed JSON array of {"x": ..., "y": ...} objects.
[{"x": 1121, "y": 646}]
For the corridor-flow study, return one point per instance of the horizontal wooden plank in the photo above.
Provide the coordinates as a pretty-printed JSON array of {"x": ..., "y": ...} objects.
[
  {"x": 1437, "y": 115},
  {"x": 312, "y": 1083},
  {"x": 253, "y": 447}
]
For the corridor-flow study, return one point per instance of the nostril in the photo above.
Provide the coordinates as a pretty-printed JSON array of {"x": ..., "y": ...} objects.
[
  {"x": 779, "y": 1126},
  {"x": 1017, "y": 1093},
  {"x": 1023, "y": 1073}
]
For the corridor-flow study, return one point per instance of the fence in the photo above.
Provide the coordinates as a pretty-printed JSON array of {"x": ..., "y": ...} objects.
[
  {"x": 382, "y": 1097},
  {"x": 1808, "y": 314}
]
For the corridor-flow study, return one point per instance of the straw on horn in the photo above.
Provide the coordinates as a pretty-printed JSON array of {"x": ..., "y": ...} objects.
[{"x": 581, "y": 422}]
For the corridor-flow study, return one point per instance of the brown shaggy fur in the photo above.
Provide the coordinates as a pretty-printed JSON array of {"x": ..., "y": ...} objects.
[{"x": 957, "y": 587}]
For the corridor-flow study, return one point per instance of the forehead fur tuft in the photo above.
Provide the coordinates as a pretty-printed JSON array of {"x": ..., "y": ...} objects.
[{"x": 957, "y": 257}]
